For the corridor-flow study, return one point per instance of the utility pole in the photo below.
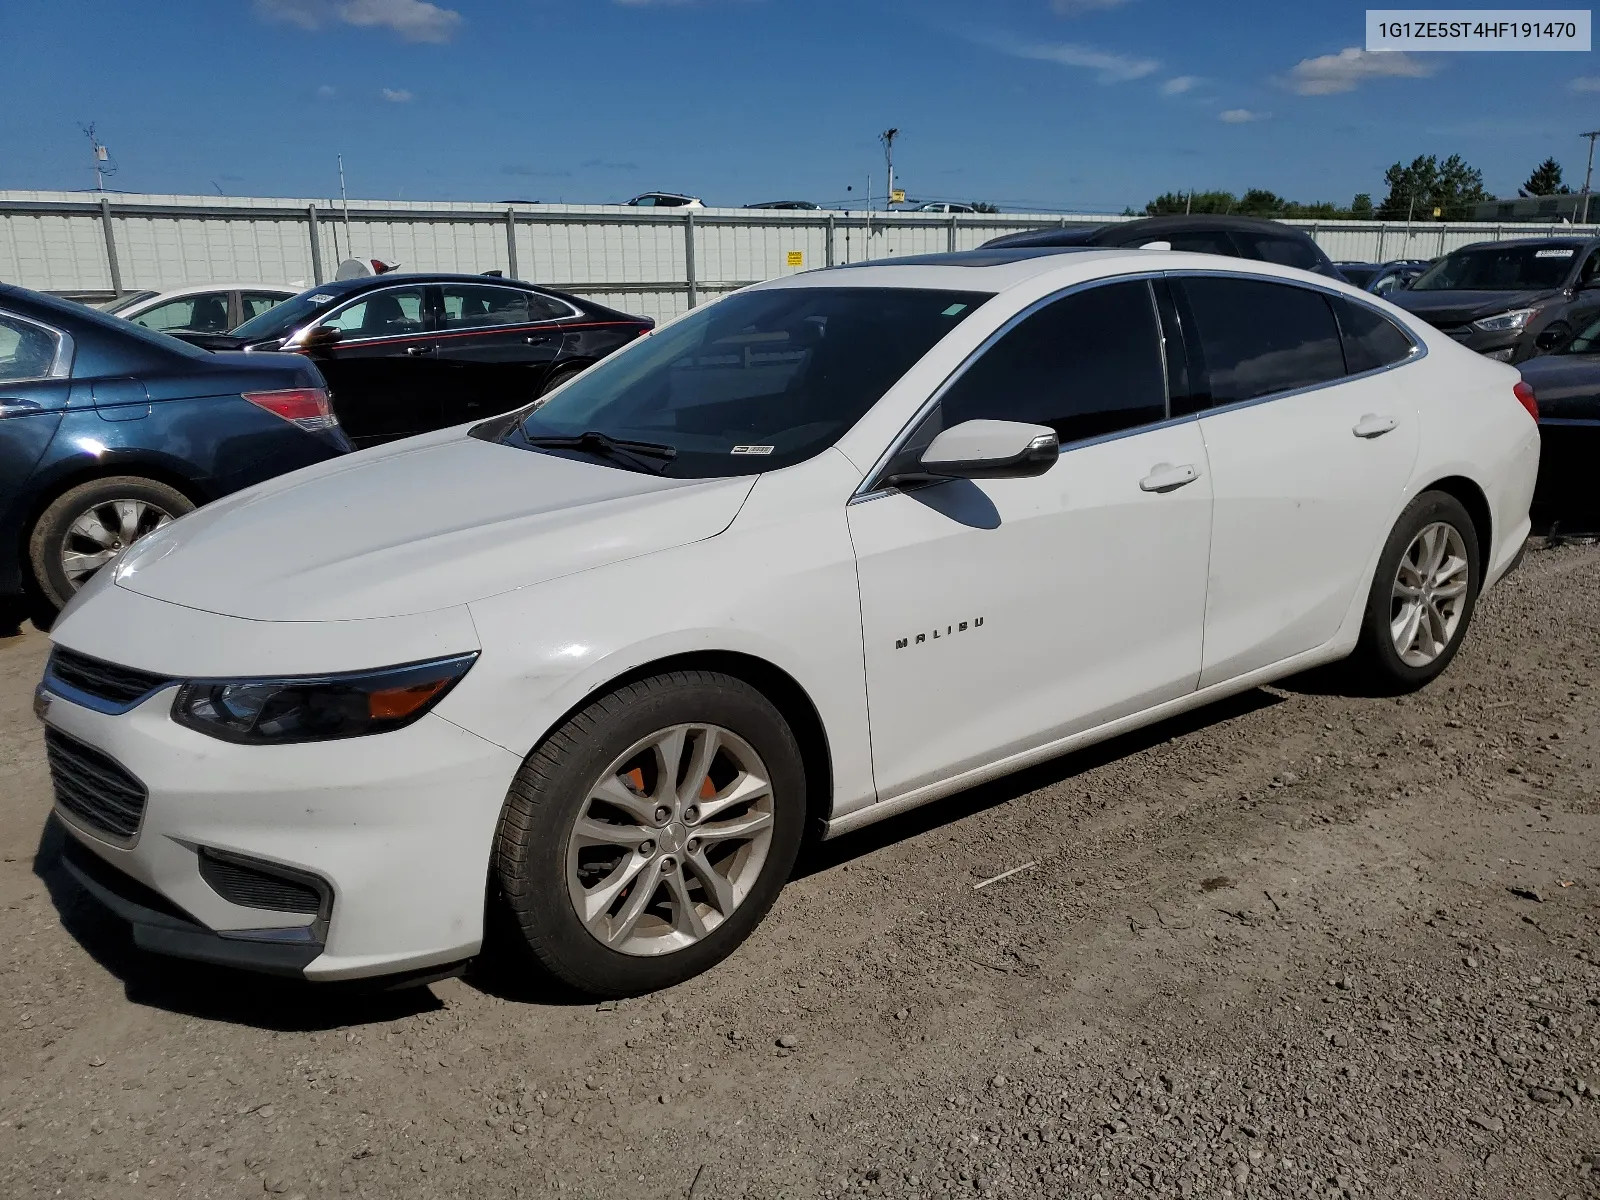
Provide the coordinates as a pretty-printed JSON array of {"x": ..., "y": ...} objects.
[
  {"x": 887, "y": 137},
  {"x": 345, "y": 200},
  {"x": 1587, "y": 172}
]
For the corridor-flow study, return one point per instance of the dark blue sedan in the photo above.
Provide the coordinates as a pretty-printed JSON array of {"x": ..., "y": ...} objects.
[{"x": 108, "y": 430}]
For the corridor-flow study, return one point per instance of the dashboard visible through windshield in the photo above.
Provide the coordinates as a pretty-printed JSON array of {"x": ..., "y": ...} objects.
[{"x": 761, "y": 380}]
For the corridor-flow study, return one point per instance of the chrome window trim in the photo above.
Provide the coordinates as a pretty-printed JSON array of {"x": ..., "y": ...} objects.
[
  {"x": 871, "y": 489},
  {"x": 61, "y": 364},
  {"x": 1419, "y": 348}
]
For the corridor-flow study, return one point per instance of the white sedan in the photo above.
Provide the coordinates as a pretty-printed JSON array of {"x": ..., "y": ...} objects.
[
  {"x": 199, "y": 308},
  {"x": 829, "y": 548}
]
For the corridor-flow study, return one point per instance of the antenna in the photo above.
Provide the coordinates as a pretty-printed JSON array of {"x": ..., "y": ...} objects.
[
  {"x": 103, "y": 164},
  {"x": 345, "y": 200}
]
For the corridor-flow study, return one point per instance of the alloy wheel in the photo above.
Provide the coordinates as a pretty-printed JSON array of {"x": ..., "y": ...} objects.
[
  {"x": 1429, "y": 595},
  {"x": 670, "y": 839},
  {"x": 105, "y": 531}
]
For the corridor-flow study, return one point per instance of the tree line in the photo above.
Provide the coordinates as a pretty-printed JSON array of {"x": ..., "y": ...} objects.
[{"x": 1424, "y": 189}]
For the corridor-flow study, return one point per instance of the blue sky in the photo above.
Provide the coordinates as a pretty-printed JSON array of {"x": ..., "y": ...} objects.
[{"x": 1073, "y": 105}]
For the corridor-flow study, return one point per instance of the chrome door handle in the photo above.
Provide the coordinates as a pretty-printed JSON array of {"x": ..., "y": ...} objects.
[
  {"x": 1164, "y": 477},
  {"x": 1372, "y": 425},
  {"x": 418, "y": 351},
  {"x": 540, "y": 339}
]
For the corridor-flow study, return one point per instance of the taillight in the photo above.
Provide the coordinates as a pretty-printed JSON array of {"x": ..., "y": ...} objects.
[
  {"x": 1524, "y": 393},
  {"x": 306, "y": 407}
]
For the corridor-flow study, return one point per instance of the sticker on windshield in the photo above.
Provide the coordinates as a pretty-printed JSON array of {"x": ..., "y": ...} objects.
[
  {"x": 1567, "y": 253},
  {"x": 953, "y": 310},
  {"x": 751, "y": 450},
  {"x": 321, "y": 298}
]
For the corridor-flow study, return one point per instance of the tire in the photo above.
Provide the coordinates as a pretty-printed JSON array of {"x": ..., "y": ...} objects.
[
  {"x": 546, "y": 865},
  {"x": 1379, "y": 658},
  {"x": 559, "y": 376},
  {"x": 65, "y": 528}
]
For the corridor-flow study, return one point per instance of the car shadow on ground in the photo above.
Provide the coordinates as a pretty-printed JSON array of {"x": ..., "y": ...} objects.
[
  {"x": 821, "y": 856},
  {"x": 210, "y": 992}
]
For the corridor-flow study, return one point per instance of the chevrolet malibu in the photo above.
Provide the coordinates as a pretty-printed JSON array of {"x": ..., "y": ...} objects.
[{"x": 829, "y": 548}]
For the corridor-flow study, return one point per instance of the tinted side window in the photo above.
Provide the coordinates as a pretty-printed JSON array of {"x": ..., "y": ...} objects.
[
  {"x": 1286, "y": 251},
  {"x": 256, "y": 303},
  {"x": 1371, "y": 340},
  {"x": 471, "y": 306},
  {"x": 207, "y": 313},
  {"x": 1260, "y": 337},
  {"x": 26, "y": 351},
  {"x": 1086, "y": 365}
]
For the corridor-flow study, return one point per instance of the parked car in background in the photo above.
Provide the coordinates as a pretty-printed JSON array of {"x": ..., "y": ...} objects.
[
  {"x": 665, "y": 200},
  {"x": 942, "y": 207},
  {"x": 1567, "y": 383},
  {"x": 1394, "y": 275},
  {"x": 1235, "y": 237},
  {"x": 405, "y": 353},
  {"x": 829, "y": 548},
  {"x": 804, "y": 205},
  {"x": 1359, "y": 274},
  {"x": 108, "y": 431},
  {"x": 1509, "y": 300},
  {"x": 203, "y": 308}
]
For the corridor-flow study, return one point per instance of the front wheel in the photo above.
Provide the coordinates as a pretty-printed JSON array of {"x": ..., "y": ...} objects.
[
  {"x": 85, "y": 528},
  {"x": 647, "y": 837},
  {"x": 1423, "y": 596}
]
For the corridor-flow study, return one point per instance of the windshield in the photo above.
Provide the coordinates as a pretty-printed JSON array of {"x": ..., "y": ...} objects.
[
  {"x": 283, "y": 319},
  {"x": 1522, "y": 268},
  {"x": 758, "y": 381}
]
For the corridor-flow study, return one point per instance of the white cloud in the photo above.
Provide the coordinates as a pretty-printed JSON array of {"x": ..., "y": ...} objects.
[
  {"x": 1241, "y": 116},
  {"x": 413, "y": 20},
  {"x": 1351, "y": 67},
  {"x": 1111, "y": 68},
  {"x": 1180, "y": 85},
  {"x": 1072, "y": 8},
  {"x": 1584, "y": 83},
  {"x": 327, "y": 92},
  {"x": 395, "y": 95}
]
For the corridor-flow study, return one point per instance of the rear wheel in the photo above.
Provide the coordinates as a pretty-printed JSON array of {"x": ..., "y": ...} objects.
[
  {"x": 1423, "y": 596},
  {"x": 87, "y": 527},
  {"x": 646, "y": 838},
  {"x": 559, "y": 376}
]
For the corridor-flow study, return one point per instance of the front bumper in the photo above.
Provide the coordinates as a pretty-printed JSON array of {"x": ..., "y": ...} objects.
[{"x": 396, "y": 829}]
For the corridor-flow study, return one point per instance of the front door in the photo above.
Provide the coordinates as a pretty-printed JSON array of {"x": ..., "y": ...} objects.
[
  {"x": 1308, "y": 460},
  {"x": 1001, "y": 615},
  {"x": 496, "y": 346},
  {"x": 382, "y": 370}
]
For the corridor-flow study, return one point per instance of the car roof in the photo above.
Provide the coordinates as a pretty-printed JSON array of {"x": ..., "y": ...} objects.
[
  {"x": 1004, "y": 267},
  {"x": 1577, "y": 240},
  {"x": 189, "y": 289}
]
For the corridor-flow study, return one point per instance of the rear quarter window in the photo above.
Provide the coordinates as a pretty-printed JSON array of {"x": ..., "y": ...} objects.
[{"x": 1371, "y": 340}]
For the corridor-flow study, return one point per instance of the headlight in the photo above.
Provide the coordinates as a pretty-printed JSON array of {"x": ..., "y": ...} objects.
[
  {"x": 316, "y": 708},
  {"x": 1505, "y": 322}
]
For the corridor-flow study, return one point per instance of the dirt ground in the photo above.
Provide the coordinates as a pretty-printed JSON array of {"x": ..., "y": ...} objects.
[{"x": 1298, "y": 944}]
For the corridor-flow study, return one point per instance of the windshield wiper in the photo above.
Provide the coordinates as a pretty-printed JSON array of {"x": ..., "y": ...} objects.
[{"x": 653, "y": 456}]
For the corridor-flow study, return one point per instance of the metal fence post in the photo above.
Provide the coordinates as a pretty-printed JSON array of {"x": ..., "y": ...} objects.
[
  {"x": 688, "y": 257},
  {"x": 111, "y": 245},
  {"x": 828, "y": 240},
  {"x": 1441, "y": 240},
  {"x": 953, "y": 219},
  {"x": 866, "y": 242},
  {"x": 511, "y": 242},
  {"x": 316, "y": 244}
]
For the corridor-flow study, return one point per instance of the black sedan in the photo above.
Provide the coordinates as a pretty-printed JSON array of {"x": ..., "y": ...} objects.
[
  {"x": 1236, "y": 237},
  {"x": 406, "y": 353},
  {"x": 1567, "y": 384},
  {"x": 109, "y": 430},
  {"x": 1509, "y": 300}
]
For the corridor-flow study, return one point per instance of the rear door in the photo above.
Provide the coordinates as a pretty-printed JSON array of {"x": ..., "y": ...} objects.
[
  {"x": 382, "y": 370},
  {"x": 1308, "y": 462},
  {"x": 496, "y": 347}
]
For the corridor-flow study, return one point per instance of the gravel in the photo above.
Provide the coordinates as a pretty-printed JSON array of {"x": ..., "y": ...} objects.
[{"x": 1299, "y": 944}]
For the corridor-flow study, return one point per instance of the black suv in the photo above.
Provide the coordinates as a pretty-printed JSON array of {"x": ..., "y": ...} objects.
[
  {"x": 1237, "y": 237},
  {"x": 1509, "y": 300}
]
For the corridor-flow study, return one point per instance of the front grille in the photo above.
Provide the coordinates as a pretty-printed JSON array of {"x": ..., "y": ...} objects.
[
  {"x": 102, "y": 680},
  {"x": 92, "y": 789},
  {"x": 257, "y": 887}
]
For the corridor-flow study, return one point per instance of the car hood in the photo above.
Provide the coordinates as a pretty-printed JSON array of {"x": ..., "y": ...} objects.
[
  {"x": 416, "y": 526},
  {"x": 1567, "y": 385},
  {"x": 1448, "y": 308}
]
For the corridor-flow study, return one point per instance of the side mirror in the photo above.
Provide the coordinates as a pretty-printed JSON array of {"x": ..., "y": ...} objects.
[
  {"x": 320, "y": 338},
  {"x": 1550, "y": 337},
  {"x": 991, "y": 450}
]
